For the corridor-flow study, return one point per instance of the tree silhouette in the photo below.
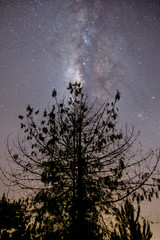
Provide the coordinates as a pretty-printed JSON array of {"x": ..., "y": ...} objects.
[
  {"x": 14, "y": 220},
  {"x": 79, "y": 165},
  {"x": 127, "y": 225}
]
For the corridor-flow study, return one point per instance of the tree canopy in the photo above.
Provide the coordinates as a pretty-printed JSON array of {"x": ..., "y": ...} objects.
[
  {"x": 79, "y": 164},
  {"x": 14, "y": 219}
]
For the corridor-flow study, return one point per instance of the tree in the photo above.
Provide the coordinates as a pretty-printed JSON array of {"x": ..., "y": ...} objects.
[
  {"x": 127, "y": 225},
  {"x": 14, "y": 219},
  {"x": 79, "y": 164}
]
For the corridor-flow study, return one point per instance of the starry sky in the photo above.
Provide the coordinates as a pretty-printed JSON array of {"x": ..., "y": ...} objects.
[{"x": 105, "y": 44}]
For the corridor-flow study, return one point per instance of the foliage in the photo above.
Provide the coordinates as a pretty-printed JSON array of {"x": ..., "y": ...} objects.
[
  {"x": 127, "y": 225},
  {"x": 79, "y": 165},
  {"x": 14, "y": 220}
]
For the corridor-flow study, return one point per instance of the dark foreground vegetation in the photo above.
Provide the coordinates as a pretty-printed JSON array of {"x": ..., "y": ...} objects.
[{"x": 80, "y": 171}]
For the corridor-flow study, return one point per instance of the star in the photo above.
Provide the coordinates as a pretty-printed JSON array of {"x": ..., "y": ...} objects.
[{"x": 106, "y": 45}]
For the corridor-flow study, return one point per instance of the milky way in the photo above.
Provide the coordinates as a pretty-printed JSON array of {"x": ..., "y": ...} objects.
[
  {"x": 106, "y": 45},
  {"x": 91, "y": 52}
]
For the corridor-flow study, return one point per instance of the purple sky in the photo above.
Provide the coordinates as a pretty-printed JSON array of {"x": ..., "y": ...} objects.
[{"x": 107, "y": 45}]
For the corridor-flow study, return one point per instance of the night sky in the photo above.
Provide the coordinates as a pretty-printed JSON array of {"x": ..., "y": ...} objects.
[{"x": 105, "y": 44}]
